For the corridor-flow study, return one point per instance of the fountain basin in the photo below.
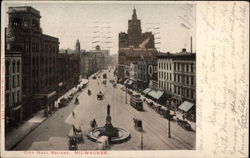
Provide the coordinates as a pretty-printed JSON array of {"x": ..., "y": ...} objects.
[{"x": 122, "y": 137}]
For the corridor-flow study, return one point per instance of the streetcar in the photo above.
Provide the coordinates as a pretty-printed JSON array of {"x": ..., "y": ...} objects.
[{"x": 136, "y": 102}]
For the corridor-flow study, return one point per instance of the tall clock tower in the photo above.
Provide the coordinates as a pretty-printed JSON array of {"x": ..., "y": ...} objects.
[{"x": 134, "y": 31}]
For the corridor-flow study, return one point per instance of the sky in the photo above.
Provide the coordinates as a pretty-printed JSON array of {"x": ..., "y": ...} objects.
[{"x": 100, "y": 23}]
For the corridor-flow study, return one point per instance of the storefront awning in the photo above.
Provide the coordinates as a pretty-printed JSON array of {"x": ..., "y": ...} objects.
[
  {"x": 130, "y": 82},
  {"x": 17, "y": 107},
  {"x": 156, "y": 94},
  {"x": 186, "y": 106},
  {"x": 51, "y": 94},
  {"x": 126, "y": 81},
  {"x": 146, "y": 91}
]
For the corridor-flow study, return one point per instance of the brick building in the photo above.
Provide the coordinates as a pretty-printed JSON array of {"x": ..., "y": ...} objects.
[
  {"x": 134, "y": 45},
  {"x": 176, "y": 76},
  {"x": 13, "y": 89},
  {"x": 68, "y": 74},
  {"x": 39, "y": 59}
]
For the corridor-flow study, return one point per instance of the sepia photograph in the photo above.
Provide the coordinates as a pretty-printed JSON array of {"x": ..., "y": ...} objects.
[{"x": 99, "y": 76}]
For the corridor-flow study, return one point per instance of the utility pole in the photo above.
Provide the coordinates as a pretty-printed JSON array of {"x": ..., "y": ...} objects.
[
  {"x": 169, "y": 134},
  {"x": 126, "y": 93},
  {"x": 142, "y": 140}
]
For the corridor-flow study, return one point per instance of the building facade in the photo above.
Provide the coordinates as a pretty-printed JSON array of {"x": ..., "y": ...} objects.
[
  {"x": 184, "y": 77},
  {"x": 93, "y": 60},
  {"x": 134, "y": 45},
  {"x": 176, "y": 76},
  {"x": 39, "y": 59},
  {"x": 68, "y": 74},
  {"x": 13, "y": 89}
]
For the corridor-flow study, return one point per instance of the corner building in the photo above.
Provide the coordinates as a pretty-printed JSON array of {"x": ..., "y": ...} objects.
[{"x": 39, "y": 59}]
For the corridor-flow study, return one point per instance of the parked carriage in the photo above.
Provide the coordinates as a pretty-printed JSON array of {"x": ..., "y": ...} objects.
[{"x": 184, "y": 124}]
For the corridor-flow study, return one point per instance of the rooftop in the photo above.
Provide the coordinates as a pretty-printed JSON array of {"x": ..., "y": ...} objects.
[{"x": 24, "y": 9}]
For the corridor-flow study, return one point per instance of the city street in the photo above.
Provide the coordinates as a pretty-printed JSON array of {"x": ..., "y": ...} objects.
[{"x": 52, "y": 133}]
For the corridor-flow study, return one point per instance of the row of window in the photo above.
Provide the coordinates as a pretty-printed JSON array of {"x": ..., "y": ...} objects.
[
  {"x": 189, "y": 67},
  {"x": 163, "y": 75},
  {"x": 16, "y": 98},
  {"x": 36, "y": 47},
  {"x": 177, "y": 66},
  {"x": 185, "y": 92},
  {"x": 164, "y": 85},
  {"x": 164, "y": 66},
  {"x": 15, "y": 67},
  {"x": 184, "y": 79},
  {"x": 177, "y": 78},
  {"x": 15, "y": 82}
]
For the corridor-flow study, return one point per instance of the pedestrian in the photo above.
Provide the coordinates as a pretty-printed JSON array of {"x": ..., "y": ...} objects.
[{"x": 73, "y": 114}]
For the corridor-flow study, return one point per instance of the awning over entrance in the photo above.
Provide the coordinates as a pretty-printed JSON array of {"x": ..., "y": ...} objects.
[
  {"x": 186, "y": 106},
  {"x": 130, "y": 82},
  {"x": 146, "y": 91},
  {"x": 156, "y": 94},
  {"x": 126, "y": 81}
]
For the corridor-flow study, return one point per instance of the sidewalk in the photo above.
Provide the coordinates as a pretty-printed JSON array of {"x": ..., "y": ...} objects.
[
  {"x": 17, "y": 135},
  {"x": 178, "y": 114}
]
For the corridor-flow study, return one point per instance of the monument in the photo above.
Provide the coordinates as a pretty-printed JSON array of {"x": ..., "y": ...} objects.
[{"x": 115, "y": 134}]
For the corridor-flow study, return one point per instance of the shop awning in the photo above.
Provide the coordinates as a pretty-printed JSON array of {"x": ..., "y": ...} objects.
[
  {"x": 51, "y": 94},
  {"x": 186, "y": 106},
  {"x": 146, "y": 90},
  {"x": 156, "y": 94},
  {"x": 130, "y": 82},
  {"x": 126, "y": 81}
]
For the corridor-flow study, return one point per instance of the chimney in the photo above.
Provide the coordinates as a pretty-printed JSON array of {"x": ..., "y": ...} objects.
[
  {"x": 183, "y": 50},
  {"x": 191, "y": 47}
]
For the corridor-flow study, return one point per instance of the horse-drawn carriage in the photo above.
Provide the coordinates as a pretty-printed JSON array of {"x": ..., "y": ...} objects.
[
  {"x": 100, "y": 96},
  {"x": 89, "y": 92},
  {"x": 138, "y": 124},
  {"x": 74, "y": 136},
  {"x": 184, "y": 124},
  {"x": 76, "y": 101}
]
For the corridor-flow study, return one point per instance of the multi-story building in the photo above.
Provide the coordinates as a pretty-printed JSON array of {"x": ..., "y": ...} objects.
[
  {"x": 165, "y": 72},
  {"x": 184, "y": 77},
  {"x": 134, "y": 45},
  {"x": 13, "y": 88},
  {"x": 39, "y": 59},
  {"x": 176, "y": 76},
  {"x": 93, "y": 60},
  {"x": 78, "y": 47},
  {"x": 135, "y": 38},
  {"x": 69, "y": 73},
  {"x": 146, "y": 71},
  {"x": 130, "y": 55}
]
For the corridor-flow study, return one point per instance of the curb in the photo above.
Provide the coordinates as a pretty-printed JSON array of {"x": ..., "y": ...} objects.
[{"x": 32, "y": 129}]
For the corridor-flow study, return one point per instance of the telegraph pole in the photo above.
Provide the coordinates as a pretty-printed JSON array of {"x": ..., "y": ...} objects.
[
  {"x": 169, "y": 134},
  {"x": 142, "y": 140},
  {"x": 126, "y": 93}
]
